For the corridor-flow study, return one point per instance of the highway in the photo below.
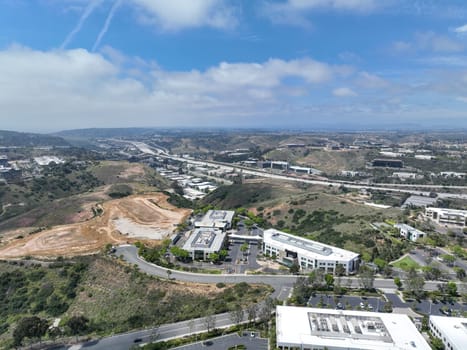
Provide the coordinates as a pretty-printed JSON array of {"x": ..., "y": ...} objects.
[{"x": 401, "y": 188}]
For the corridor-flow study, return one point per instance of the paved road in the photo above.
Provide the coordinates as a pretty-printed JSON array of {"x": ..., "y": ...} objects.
[
  {"x": 227, "y": 341},
  {"x": 164, "y": 332},
  {"x": 402, "y": 188},
  {"x": 278, "y": 282}
]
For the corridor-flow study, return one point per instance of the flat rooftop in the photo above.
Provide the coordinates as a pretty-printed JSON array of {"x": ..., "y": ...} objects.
[
  {"x": 306, "y": 246},
  {"x": 454, "y": 328},
  {"x": 447, "y": 211},
  {"x": 205, "y": 239},
  {"x": 216, "y": 218},
  {"x": 346, "y": 329}
]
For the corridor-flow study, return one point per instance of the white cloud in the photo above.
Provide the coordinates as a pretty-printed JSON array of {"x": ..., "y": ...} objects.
[
  {"x": 344, "y": 92},
  {"x": 437, "y": 43},
  {"x": 295, "y": 12},
  {"x": 181, "y": 14},
  {"x": 461, "y": 29},
  {"x": 371, "y": 81},
  {"x": 76, "y": 88}
]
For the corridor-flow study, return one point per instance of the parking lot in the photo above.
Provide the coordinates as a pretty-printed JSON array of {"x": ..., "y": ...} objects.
[
  {"x": 347, "y": 302},
  {"x": 374, "y": 304},
  {"x": 227, "y": 341}
]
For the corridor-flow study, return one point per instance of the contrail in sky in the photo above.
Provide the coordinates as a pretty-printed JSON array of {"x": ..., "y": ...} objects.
[
  {"x": 108, "y": 20},
  {"x": 87, "y": 12}
]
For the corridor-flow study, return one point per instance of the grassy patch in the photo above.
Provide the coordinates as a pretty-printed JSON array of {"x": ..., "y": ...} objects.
[{"x": 406, "y": 264}]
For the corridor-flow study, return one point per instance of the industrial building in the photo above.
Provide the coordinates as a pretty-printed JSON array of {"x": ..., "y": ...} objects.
[
  {"x": 409, "y": 232},
  {"x": 204, "y": 241},
  {"x": 309, "y": 255},
  {"x": 319, "y": 329},
  {"x": 445, "y": 216},
  {"x": 219, "y": 219},
  {"x": 451, "y": 330},
  {"x": 388, "y": 163}
]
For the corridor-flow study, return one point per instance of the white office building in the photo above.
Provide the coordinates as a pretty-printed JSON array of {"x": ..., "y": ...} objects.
[
  {"x": 308, "y": 254},
  {"x": 219, "y": 219},
  {"x": 204, "y": 241},
  {"x": 445, "y": 216},
  {"x": 409, "y": 232},
  {"x": 451, "y": 330},
  {"x": 318, "y": 329}
]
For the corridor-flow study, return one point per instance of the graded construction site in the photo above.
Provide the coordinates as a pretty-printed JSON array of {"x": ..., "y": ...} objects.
[{"x": 138, "y": 217}]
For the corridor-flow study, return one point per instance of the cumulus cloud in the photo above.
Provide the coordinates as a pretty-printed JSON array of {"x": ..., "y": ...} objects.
[
  {"x": 344, "y": 92},
  {"x": 76, "y": 88},
  {"x": 180, "y": 14},
  {"x": 428, "y": 42},
  {"x": 461, "y": 29}
]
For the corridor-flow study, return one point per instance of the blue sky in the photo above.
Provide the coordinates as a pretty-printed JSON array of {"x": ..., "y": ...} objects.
[{"x": 298, "y": 64}]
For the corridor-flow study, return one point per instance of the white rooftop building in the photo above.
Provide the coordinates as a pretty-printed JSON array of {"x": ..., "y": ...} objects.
[
  {"x": 318, "y": 329},
  {"x": 203, "y": 242},
  {"x": 451, "y": 330},
  {"x": 220, "y": 219},
  {"x": 306, "y": 253},
  {"x": 409, "y": 232},
  {"x": 445, "y": 216}
]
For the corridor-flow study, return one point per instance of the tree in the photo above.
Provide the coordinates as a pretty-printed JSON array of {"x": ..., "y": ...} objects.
[
  {"x": 414, "y": 283},
  {"x": 316, "y": 278},
  {"x": 214, "y": 257},
  {"x": 451, "y": 289},
  {"x": 387, "y": 307},
  {"x": 244, "y": 248},
  {"x": 367, "y": 277},
  {"x": 210, "y": 321},
  {"x": 329, "y": 279},
  {"x": 77, "y": 325},
  {"x": 252, "y": 311},
  {"x": 398, "y": 282},
  {"x": 294, "y": 268},
  {"x": 237, "y": 314},
  {"x": 448, "y": 259},
  {"x": 301, "y": 291},
  {"x": 339, "y": 270},
  {"x": 179, "y": 253},
  {"x": 460, "y": 273},
  {"x": 29, "y": 327},
  {"x": 437, "y": 344}
]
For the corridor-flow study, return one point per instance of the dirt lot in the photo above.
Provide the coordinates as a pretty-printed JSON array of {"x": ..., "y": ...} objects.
[{"x": 148, "y": 217}]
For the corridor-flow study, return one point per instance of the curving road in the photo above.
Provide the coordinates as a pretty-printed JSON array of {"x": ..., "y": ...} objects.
[{"x": 281, "y": 283}]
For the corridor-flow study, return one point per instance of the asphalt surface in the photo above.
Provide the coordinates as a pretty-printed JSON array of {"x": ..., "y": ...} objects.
[
  {"x": 164, "y": 332},
  {"x": 355, "y": 303},
  {"x": 278, "y": 282},
  {"x": 227, "y": 341}
]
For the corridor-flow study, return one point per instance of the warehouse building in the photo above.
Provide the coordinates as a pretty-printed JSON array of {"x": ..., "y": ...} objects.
[
  {"x": 309, "y": 255},
  {"x": 451, "y": 330},
  {"x": 445, "y": 216},
  {"x": 318, "y": 329},
  {"x": 219, "y": 219}
]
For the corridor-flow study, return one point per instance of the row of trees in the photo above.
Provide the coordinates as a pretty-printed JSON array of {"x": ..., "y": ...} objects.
[{"x": 35, "y": 328}]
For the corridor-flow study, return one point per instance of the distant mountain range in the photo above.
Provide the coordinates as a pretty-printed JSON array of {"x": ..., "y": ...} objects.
[{"x": 21, "y": 139}]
